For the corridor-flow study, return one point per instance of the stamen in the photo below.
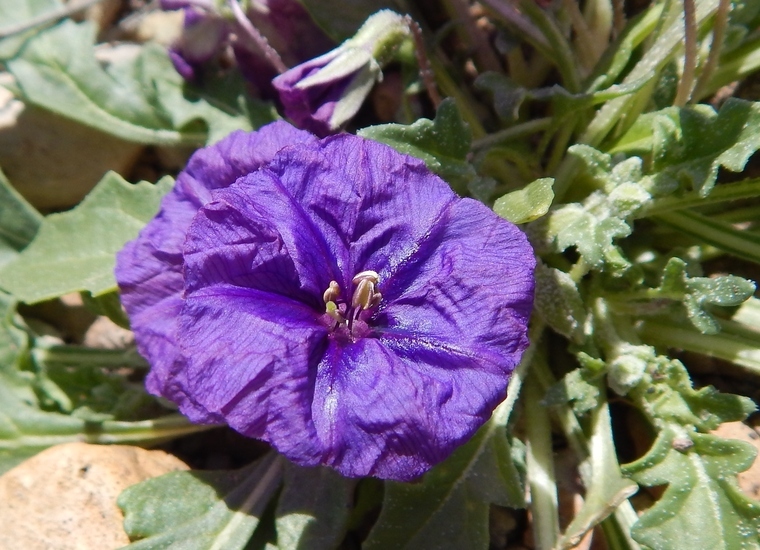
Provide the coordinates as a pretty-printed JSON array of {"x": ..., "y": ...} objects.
[{"x": 332, "y": 293}]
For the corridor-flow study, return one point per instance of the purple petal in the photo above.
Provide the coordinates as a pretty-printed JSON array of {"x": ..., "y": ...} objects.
[
  {"x": 394, "y": 408},
  {"x": 251, "y": 361},
  {"x": 149, "y": 269},
  {"x": 470, "y": 280}
]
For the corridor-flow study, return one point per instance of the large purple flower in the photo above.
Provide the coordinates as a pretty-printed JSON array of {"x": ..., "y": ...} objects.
[{"x": 332, "y": 297}]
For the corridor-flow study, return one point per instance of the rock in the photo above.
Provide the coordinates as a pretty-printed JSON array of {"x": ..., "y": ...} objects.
[
  {"x": 65, "y": 497},
  {"x": 53, "y": 161}
]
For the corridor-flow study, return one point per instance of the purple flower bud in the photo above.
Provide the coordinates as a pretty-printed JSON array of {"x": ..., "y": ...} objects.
[
  {"x": 324, "y": 93},
  {"x": 332, "y": 297}
]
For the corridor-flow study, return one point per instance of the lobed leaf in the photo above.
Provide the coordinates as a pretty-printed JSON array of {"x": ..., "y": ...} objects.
[
  {"x": 443, "y": 143},
  {"x": 75, "y": 251},
  {"x": 702, "y": 506}
]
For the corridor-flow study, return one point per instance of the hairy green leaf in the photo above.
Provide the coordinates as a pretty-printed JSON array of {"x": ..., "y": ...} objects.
[
  {"x": 449, "y": 507},
  {"x": 443, "y": 143},
  {"x": 702, "y": 506},
  {"x": 526, "y": 204},
  {"x": 340, "y": 20},
  {"x": 697, "y": 293},
  {"x": 200, "y": 509},
  {"x": 558, "y": 301},
  {"x": 19, "y": 221},
  {"x": 75, "y": 251},
  {"x": 19, "y": 12},
  {"x": 313, "y": 509},
  {"x": 141, "y": 99}
]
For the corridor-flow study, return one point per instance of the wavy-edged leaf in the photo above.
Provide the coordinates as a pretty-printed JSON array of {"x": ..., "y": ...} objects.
[
  {"x": 76, "y": 250},
  {"x": 702, "y": 506},
  {"x": 140, "y": 99}
]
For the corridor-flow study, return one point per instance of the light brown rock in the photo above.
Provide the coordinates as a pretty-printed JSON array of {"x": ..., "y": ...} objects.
[
  {"x": 53, "y": 161},
  {"x": 65, "y": 497}
]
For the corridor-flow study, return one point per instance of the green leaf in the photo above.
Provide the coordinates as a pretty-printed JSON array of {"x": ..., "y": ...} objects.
[
  {"x": 26, "y": 430},
  {"x": 76, "y": 250},
  {"x": 577, "y": 388},
  {"x": 140, "y": 99},
  {"x": 449, "y": 507},
  {"x": 526, "y": 204},
  {"x": 576, "y": 225},
  {"x": 608, "y": 488},
  {"x": 704, "y": 141},
  {"x": 697, "y": 293},
  {"x": 19, "y": 221},
  {"x": 442, "y": 143},
  {"x": 14, "y": 345},
  {"x": 702, "y": 506},
  {"x": 667, "y": 396},
  {"x": 313, "y": 509},
  {"x": 20, "y": 12},
  {"x": 200, "y": 509},
  {"x": 559, "y": 302}
]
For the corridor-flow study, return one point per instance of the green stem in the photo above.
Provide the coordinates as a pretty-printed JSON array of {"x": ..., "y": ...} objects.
[
  {"x": 742, "y": 244},
  {"x": 562, "y": 51},
  {"x": 734, "y": 66},
  {"x": 540, "y": 465},
  {"x": 726, "y": 192},
  {"x": 739, "y": 350},
  {"x": 81, "y": 355},
  {"x": 510, "y": 134},
  {"x": 145, "y": 432}
]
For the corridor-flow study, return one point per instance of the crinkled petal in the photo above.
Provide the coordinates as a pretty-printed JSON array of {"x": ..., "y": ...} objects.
[
  {"x": 393, "y": 407},
  {"x": 364, "y": 198},
  {"x": 470, "y": 281},
  {"x": 149, "y": 269},
  {"x": 252, "y": 361},
  {"x": 263, "y": 240}
]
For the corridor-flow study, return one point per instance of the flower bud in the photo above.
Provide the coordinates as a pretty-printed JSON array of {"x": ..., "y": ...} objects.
[{"x": 324, "y": 93}]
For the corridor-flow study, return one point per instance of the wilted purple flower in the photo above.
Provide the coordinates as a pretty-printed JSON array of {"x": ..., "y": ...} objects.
[
  {"x": 324, "y": 93},
  {"x": 206, "y": 35},
  {"x": 332, "y": 297}
]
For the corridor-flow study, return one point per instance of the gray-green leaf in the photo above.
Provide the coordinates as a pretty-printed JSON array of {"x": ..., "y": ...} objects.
[
  {"x": 449, "y": 507},
  {"x": 76, "y": 250},
  {"x": 200, "y": 510}
]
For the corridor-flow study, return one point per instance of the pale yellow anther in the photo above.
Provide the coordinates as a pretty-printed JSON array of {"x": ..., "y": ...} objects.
[
  {"x": 332, "y": 310},
  {"x": 368, "y": 275},
  {"x": 332, "y": 293},
  {"x": 363, "y": 294}
]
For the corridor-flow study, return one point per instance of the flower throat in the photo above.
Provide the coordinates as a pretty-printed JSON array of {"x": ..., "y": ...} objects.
[{"x": 365, "y": 296}]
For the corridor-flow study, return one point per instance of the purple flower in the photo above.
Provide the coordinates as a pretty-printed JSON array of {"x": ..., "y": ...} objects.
[
  {"x": 332, "y": 297},
  {"x": 324, "y": 93},
  {"x": 285, "y": 24}
]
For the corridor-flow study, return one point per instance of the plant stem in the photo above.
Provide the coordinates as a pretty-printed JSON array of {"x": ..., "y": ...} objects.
[
  {"x": 746, "y": 189},
  {"x": 716, "y": 47},
  {"x": 683, "y": 92},
  {"x": 252, "y": 35},
  {"x": 540, "y": 465},
  {"x": 739, "y": 350},
  {"x": 515, "y": 132},
  {"x": 48, "y": 17},
  {"x": 716, "y": 233}
]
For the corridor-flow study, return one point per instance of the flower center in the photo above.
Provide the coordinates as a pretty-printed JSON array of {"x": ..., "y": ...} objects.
[{"x": 365, "y": 296}]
